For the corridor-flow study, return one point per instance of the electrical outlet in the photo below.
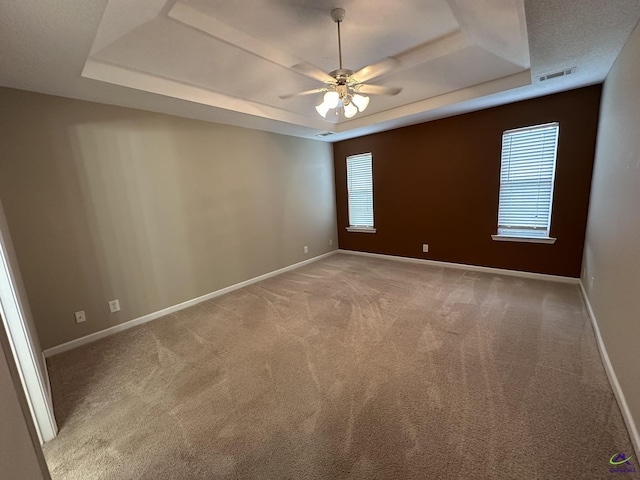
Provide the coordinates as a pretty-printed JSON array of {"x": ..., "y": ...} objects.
[
  {"x": 425, "y": 247},
  {"x": 331, "y": 242},
  {"x": 306, "y": 249},
  {"x": 114, "y": 306},
  {"x": 80, "y": 316}
]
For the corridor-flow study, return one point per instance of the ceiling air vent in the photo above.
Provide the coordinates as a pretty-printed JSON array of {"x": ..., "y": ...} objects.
[
  {"x": 561, "y": 73},
  {"x": 324, "y": 134}
]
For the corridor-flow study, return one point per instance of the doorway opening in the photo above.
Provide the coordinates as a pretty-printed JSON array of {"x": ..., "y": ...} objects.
[{"x": 23, "y": 339}]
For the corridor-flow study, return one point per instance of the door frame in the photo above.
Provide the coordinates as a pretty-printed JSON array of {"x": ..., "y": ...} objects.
[{"x": 18, "y": 323}]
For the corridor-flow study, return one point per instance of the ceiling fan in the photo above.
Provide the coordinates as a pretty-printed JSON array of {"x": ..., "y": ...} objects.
[{"x": 344, "y": 88}]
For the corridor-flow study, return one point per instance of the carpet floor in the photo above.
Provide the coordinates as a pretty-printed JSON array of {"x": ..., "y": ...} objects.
[{"x": 349, "y": 367}]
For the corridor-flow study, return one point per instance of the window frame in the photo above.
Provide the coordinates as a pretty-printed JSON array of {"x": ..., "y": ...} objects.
[
  {"x": 522, "y": 237},
  {"x": 354, "y": 227}
]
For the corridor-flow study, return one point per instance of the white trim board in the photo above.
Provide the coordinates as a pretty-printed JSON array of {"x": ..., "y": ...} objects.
[
  {"x": 613, "y": 380},
  {"x": 189, "y": 303},
  {"x": 611, "y": 374},
  {"x": 471, "y": 268},
  {"x": 608, "y": 367},
  {"x": 49, "y": 352}
]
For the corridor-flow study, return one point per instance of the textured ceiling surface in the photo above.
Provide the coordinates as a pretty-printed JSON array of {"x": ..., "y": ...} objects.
[{"x": 228, "y": 62}]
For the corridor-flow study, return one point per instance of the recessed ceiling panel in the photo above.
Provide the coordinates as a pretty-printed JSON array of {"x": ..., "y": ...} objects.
[
  {"x": 166, "y": 48},
  {"x": 371, "y": 30},
  {"x": 464, "y": 68},
  {"x": 242, "y": 52}
]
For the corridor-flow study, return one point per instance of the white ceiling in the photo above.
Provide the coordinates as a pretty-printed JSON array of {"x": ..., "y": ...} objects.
[{"x": 228, "y": 62}]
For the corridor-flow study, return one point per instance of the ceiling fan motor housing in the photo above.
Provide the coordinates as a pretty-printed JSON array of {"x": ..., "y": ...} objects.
[{"x": 341, "y": 75}]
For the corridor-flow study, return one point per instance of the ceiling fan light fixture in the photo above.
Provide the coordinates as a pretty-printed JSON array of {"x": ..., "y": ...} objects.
[
  {"x": 342, "y": 87},
  {"x": 331, "y": 99},
  {"x": 322, "y": 109},
  {"x": 360, "y": 101},
  {"x": 350, "y": 110}
]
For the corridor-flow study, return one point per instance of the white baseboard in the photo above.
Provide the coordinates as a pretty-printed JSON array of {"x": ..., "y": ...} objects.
[
  {"x": 166, "y": 311},
  {"x": 189, "y": 303},
  {"x": 613, "y": 379},
  {"x": 611, "y": 374},
  {"x": 472, "y": 268}
]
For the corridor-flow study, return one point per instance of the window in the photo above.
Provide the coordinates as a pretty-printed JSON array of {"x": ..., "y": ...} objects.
[
  {"x": 360, "y": 192},
  {"x": 526, "y": 183}
]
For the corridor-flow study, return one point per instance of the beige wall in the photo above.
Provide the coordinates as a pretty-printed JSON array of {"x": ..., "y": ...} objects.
[
  {"x": 611, "y": 270},
  {"x": 20, "y": 454},
  {"x": 106, "y": 202}
]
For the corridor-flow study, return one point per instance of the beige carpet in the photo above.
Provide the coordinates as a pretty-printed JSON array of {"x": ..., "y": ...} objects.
[{"x": 347, "y": 368}]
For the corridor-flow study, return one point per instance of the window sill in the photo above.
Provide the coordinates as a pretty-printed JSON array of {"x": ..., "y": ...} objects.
[
  {"x": 507, "y": 238},
  {"x": 361, "y": 229}
]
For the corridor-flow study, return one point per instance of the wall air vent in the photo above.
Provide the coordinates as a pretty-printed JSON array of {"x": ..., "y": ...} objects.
[
  {"x": 324, "y": 134},
  {"x": 561, "y": 73}
]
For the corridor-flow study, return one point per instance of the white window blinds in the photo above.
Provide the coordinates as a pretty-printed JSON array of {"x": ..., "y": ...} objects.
[
  {"x": 526, "y": 180},
  {"x": 360, "y": 190}
]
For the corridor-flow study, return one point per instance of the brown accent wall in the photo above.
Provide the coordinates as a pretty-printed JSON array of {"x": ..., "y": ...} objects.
[{"x": 438, "y": 183}]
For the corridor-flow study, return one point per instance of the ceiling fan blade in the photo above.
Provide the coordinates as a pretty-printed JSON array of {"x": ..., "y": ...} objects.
[
  {"x": 306, "y": 92},
  {"x": 378, "y": 89},
  {"x": 313, "y": 72},
  {"x": 372, "y": 71}
]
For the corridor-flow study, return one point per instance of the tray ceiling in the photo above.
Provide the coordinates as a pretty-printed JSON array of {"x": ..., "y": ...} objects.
[
  {"x": 228, "y": 62},
  {"x": 238, "y": 55}
]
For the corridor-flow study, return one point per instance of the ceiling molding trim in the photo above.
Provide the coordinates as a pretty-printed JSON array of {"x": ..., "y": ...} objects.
[
  {"x": 138, "y": 14},
  {"x": 425, "y": 106},
  {"x": 202, "y": 22},
  {"x": 508, "y": 40},
  {"x": 432, "y": 50},
  {"x": 125, "y": 77}
]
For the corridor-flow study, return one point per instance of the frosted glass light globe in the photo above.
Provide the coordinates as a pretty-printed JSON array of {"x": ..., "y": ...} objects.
[
  {"x": 322, "y": 109},
  {"x": 331, "y": 99},
  {"x": 360, "y": 101},
  {"x": 350, "y": 110}
]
